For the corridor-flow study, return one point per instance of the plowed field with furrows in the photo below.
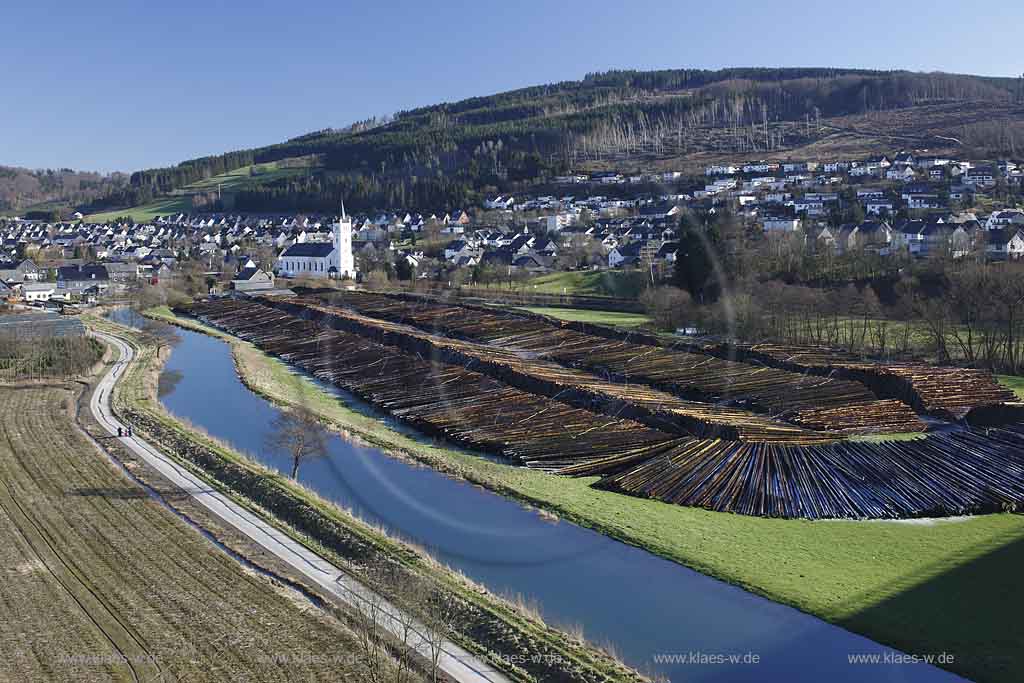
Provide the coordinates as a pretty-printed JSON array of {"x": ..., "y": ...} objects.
[{"x": 101, "y": 582}]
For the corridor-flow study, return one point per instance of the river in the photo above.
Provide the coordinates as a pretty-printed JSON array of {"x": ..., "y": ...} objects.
[{"x": 658, "y": 616}]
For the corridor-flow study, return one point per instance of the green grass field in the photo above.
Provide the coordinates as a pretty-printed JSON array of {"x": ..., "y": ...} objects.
[
  {"x": 925, "y": 587},
  {"x": 600, "y": 317},
  {"x": 898, "y": 436},
  {"x": 180, "y": 201},
  {"x": 240, "y": 177},
  {"x": 146, "y": 212},
  {"x": 1013, "y": 382},
  {"x": 617, "y": 283}
]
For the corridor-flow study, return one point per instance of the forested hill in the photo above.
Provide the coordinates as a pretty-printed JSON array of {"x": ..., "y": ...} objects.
[
  {"x": 613, "y": 118},
  {"x": 32, "y": 190}
]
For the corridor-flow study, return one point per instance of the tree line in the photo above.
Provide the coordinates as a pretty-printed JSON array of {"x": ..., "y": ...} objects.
[
  {"x": 730, "y": 281},
  {"x": 545, "y": 130}
]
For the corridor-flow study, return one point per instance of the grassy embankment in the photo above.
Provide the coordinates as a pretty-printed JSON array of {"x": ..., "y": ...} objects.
[
  {"x": 180, "y": 201},
  {"x": 620, "y": 283},
  {"x": 102, "y": 582},
  {"x": 524, "y": 632},
  {"x": 895, "y": 436},
  {"x": 1013, "y": 382},
  {"x": 598, "y": 317},
  {"x": 921, "y": 587},
  {"x": 615, "y": 283}
]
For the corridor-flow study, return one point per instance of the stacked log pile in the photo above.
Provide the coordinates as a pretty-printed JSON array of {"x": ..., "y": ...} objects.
[
  {"x": 810, "y": 400},
  {"x": 947, "y": 473},
  {"x": 639, "y": 402},
  {"x": 437, "y": 398},
  {"x": 945, "y": 392},
  {"x": 949, "y": 393},
  {"x": 944, "y": 474}
]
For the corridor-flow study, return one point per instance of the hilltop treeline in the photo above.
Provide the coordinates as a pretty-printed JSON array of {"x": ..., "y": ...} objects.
[
  {"x": 533, "y": 132},
  {"x": 324, "y": 193}
]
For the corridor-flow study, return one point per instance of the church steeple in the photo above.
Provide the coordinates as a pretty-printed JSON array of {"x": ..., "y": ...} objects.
[{"x": 342, "y": 238}]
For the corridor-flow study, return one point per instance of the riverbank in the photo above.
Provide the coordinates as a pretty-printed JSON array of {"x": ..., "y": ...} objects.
[
  {"x": 915, "y": 587},
  {"x": 488, "y": 625}
]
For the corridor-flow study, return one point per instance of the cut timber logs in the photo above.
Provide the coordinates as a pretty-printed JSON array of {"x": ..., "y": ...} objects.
[
  {"x": 797, "y": 397},
  {"x": 951, "y": 473},
  {"x": 948, "y": 393},
  {"x": 440, "y": 399},
  {"x": 508, "y": 395},
  {"x": 638, "y": 402}
]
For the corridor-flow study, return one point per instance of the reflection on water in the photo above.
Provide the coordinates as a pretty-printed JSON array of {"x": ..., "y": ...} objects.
[
  {"x": 167, "y": 382},
  {"x": 644, "y": 607}
]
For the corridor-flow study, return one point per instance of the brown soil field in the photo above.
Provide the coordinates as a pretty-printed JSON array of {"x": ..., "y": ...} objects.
[{"x": 101, "y": 581}]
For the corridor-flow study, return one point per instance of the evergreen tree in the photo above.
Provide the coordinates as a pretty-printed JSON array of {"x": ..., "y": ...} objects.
[
  {"x": 695, "y": 259},
  {"x": 403, "y": 270}
]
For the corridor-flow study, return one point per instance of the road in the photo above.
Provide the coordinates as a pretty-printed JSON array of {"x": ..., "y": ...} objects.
[{"x": 456, "y": 662}]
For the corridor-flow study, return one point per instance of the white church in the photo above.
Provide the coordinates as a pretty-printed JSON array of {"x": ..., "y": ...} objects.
[{"x": 321, "y": 259}]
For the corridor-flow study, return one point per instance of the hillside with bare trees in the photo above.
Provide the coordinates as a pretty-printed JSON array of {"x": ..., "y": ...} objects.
[
  {"x": 624, "y": 119},
  {"x": 23, "y": 189}
]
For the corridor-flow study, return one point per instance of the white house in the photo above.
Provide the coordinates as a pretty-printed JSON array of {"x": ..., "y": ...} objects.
[
  {"x": 878, "y": 207},
  {"x": 456, "y": 250},
  {"x": 252, "y": 279},
  {"x": 982, "y": 176},
  {"x": 923, "y": 200},
  {"x": 332, "y": 259},
  {"x": 811, "y": 207},
  {"x": 901, "y": 172},
  {"x": 1004, "y": 218},
  {"x": 760, "y": 167},
  {"x": 781, "y": 224},
  {"x": 1004, "y": 244},
  {"x": 628, "y": 254},
  {"x": 559, "y": 221},
  {"x": 727, "y": 169},
  {"x": 499, "y": 202},
  {"x": 38, "y": 291}
]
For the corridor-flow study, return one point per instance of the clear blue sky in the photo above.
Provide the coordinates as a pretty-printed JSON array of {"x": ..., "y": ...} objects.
[{"x": 120, "y": 86}]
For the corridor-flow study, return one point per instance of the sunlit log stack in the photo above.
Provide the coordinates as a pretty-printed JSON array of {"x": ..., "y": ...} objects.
[
  {"x": 437, "y": 398},
  {"x": 943, "y": 474},
  {"x": 811, "y": 400},
  {"x": 582, "y": 389},
  {"x": 946, "y": 392}
]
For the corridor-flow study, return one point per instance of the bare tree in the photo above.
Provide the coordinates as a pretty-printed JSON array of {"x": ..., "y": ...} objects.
[
  {"x": 298, "y": 433},
  {"x": 440, "y": 624},
  {"x": 370, "y": 633},
  {"x": 670, "y": 307}
]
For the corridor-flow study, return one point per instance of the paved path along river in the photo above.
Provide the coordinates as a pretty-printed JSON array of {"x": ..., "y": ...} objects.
[
  {"x": 659, "y": 616},
  {"x": 456, "y": 662}
]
